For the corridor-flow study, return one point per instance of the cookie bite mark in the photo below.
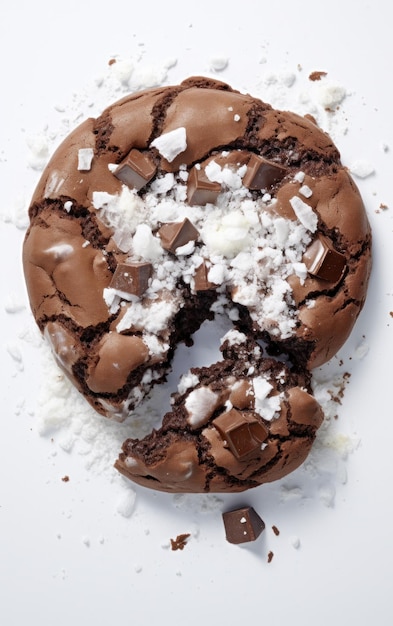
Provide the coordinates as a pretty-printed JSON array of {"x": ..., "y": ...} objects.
[{"x": 235, "y": 448}]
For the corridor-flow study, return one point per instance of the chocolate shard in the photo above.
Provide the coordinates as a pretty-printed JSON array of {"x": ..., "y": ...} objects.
[
  {"x": 242, "y": 525},
  {"x": 132, "y": 278},
  {"x": 176, "y": 234},
  {"x": 262, "y": 173},
  {"x": 242, "y": 432},
  {"x": 201, "y": 190},
  {"x": 323, "y": 261},
  {"x": 136, "y": 170},
  {"x": 201, "y": 281}
]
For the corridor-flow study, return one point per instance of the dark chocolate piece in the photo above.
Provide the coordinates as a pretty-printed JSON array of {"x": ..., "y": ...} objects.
[
  {"x": 132, "y": 278},
  {"x": 262, "y": 174},
  {"x": 136, "y": 170},
  {"x": 201, "y": 190},
  {"x": 176, "y": 234},
  {"x": 243, "y": 432},
  {"x": 201, "y": 281},
  {"x": 242, "y": 525},
  {"x": 323, "y": 261}
]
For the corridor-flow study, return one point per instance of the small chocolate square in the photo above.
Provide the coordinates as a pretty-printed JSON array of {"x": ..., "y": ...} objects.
[
  {"x": 176, "y": 234},
  {"x": 262, "y": 174},
  {"x": 323, "y": 261},
  {"x": 136, "y": 170},
  {"x": 242, "y": 525},
  {"x": 132, "y": 278},
  {"x": 201, "y": 190},
  {"x": 201, "y": 281},
  {"x": 243, "y": 433}
]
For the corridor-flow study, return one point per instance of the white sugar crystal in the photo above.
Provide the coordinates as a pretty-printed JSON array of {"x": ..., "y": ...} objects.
[
  {"x": 299, "y": 177},
  {"x": 305, "y": 191},
  {"x": 187, "y": 381},
  {"x": 145, "y": 245},
  {"x": 171, "y": 144},
  {"x": 330, "y": 95},
  {"x": 126, "y": 503},
  {"x": 266, "y": 406},
  {"x": 304, "y": 213},
  {"x": 219, "y": 63},
  {"x": 163, "y": 184},
  {"x": 14, "y": 304},
  {"x": 85, "y": 158},
  {"x": 234, "y": 338},
  {"x": 361, "y": 168}
]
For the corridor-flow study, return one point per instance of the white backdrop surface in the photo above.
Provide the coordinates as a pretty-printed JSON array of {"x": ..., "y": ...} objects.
[{"x": 93, "y": 549}]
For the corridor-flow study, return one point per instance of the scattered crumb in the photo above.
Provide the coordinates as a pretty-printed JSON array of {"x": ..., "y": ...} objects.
[
  {"x": 362, "y": 168},
  {"x": 391, "y": 313},
  {"x": 219, "y": 63},
  {"x": 270, "y": 556},
  {"x": 317, "y": 75},
  {"x": 275, "y": 530},
  {"x": 295, "y": 542},
  {"x": 180, "y": 541},
  {"x": 65, "y": 479}
]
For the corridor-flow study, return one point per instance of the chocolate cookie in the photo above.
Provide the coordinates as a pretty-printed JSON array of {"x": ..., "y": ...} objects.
[{"x": 175, "y": 203}]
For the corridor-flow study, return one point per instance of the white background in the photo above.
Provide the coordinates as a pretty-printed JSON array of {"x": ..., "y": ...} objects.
[{"x": 69, "y": 552}]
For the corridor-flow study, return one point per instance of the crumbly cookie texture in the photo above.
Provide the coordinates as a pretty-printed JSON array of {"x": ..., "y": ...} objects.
[{"x": 176, "y": 203}]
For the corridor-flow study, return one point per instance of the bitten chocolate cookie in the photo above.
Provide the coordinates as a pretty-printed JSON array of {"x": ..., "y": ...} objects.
[{"x": 178, "y": 202}]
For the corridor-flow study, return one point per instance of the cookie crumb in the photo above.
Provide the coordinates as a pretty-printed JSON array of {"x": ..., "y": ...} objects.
[
  {"x": 180, "y": 541},
  {"x": 317, "y": 75},
  {"x": 275, "y": 530},
  {"x": 270, "y": 556},
  {"x": 65, "y": 479}
]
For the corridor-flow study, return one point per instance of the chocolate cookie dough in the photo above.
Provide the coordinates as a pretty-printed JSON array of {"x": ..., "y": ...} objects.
[{"x": 178, "y": 202}]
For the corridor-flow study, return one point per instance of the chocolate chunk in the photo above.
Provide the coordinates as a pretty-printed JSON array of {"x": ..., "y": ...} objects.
[
  {"x": 201, "y": 281},
  {"x": 136, "y": 170},
  {"x": 201, "y": 190},
  {"x": 242, "y": 432},
  {"x": 323, "y": 261},
  {"x": 261, "y": 173},
  {"x": 132, "y": 278},
  {"x": 176, "y": 234},
  {"x": 242, "y": 525}
]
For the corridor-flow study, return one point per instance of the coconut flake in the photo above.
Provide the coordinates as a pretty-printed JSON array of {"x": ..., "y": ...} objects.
[
  {"x": 85, "y": 158},
  {"x": 200, "y": 405},
  {"x": 171, "y": 144},
  {"x": 304, "y": 213},
  {"x": 267, "y": 407}
]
